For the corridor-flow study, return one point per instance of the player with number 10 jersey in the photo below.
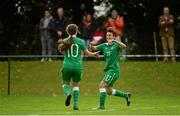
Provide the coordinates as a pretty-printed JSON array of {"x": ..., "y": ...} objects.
[
  {"x": 72, "y": 57},
  {"x": 72, "y": 69}
]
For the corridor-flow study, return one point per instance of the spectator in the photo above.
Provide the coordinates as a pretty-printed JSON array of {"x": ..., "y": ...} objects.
[
  {"x": 45, "y": 33},
  {"x": 117, "y": 23},
  {"x": 60, "y": 23},
  {"x": 86, "y": 28},
  {"x": 166, "y": 22}
]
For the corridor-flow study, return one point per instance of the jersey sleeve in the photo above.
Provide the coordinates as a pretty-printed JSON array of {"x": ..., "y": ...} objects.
[{"x": 100, "y": 47}]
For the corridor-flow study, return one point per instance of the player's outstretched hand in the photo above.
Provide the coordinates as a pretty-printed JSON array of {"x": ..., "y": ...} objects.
[{"x": 96, "y": 54}]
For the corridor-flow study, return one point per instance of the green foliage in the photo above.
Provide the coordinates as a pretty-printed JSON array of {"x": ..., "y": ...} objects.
[{"x": 20, "y": 19}]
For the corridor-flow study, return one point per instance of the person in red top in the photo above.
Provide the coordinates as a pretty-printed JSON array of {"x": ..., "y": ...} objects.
[
  {"x": 116, "y": 22},
  {"x": 86, "y": 28}
]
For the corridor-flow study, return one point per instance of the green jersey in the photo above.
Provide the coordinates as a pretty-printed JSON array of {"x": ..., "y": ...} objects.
[
  {"x": 111, "y": 55},
  {"x": 72, "y": 57}
]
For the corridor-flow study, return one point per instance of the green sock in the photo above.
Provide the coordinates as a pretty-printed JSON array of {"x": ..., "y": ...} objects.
[
  {"x": 119, "y": 93},
  {"x": 66, "y": 89},
  {"x": 102, "y": 92},
  {"x": 75, "y": 96}
]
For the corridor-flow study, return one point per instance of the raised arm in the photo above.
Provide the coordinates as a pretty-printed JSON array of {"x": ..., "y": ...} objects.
[{"x": 122, "y": 45}]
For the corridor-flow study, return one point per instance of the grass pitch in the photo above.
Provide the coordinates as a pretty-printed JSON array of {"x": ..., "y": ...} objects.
[
  {"x": 36, "y": 89},
  {"x": 33, "y": 105}
]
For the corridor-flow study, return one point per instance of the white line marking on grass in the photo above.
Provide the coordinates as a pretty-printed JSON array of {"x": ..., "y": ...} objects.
[
  {"x": 100, "y": 110},
  {"x": 86, "y": 111},
  {"x": 147, "y": 108},
  {"x": 91, "y": 111}
]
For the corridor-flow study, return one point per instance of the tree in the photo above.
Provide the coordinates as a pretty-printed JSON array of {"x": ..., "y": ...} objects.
[{"x": 20, "y": 19}]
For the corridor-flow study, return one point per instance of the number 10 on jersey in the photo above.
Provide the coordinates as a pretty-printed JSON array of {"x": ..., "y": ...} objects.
[{"x": 73, "y": 51}]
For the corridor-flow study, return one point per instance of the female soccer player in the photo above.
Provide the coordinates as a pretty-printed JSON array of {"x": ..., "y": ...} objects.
[
  {"x": 72, "y": 68},
  {"x": 110, "y": 51}
]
